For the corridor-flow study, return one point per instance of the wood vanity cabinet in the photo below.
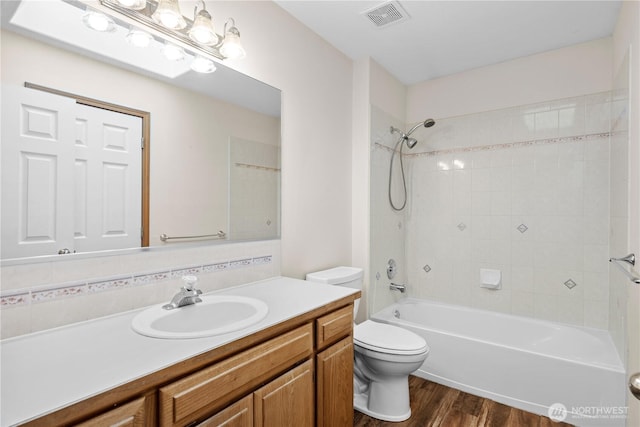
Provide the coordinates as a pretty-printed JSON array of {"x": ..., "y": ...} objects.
[
  {"x": 295, "y": 374},
  {"x": 334, "y": 369},
  {"x": 288, "y": 401}
]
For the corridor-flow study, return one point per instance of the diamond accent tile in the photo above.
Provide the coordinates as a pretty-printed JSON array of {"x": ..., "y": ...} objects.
[
  {"x": 461, "y": 226},
  {"x": 570, "y": 284},
  {"x": 426, "y": 268},
  {"x": 522, "y": 228}
]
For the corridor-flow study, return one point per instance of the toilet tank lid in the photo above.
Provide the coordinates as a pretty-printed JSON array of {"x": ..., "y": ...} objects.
[{"x": 336, "y": 275}]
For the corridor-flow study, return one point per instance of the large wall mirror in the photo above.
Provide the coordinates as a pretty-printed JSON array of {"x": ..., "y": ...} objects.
[{"x": 214, "y": 139}]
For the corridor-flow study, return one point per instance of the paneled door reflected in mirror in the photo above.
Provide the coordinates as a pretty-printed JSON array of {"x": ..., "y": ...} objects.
[{"x": 71, "y": 176}]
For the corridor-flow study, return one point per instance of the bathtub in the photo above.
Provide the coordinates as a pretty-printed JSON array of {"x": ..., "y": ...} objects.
[{"x": 525, "y": 363}]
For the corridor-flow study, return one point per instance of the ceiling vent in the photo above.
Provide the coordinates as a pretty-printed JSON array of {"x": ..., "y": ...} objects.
[{"x": 387, "y": 13}]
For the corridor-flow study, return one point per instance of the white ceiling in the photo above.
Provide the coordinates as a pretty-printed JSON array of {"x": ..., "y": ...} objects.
[{"x": 446, "y": 37}]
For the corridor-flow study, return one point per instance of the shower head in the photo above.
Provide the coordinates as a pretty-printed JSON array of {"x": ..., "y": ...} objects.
[
  {"x": 411, "y": 142},
  {"x": 427, "y": 123}
]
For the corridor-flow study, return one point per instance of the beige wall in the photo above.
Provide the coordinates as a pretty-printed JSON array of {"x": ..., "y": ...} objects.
[
  {"x": 562, "y": 73},
  {"x": 316, "y": 84}
]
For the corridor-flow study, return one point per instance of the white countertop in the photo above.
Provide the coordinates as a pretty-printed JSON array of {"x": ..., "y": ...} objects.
[{"x": 49, "y": 370}]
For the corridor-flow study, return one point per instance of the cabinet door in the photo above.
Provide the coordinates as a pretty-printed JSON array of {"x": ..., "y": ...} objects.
[
  {"x": 139, "y": 413},
  {"x": 212, "y": 389},
  {"x": 286, "y": 401},
  {"x": 335, "y": 385},
  {"x": 240, "y": 414}
]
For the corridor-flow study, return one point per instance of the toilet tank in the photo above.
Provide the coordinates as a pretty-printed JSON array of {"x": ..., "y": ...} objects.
[{"x": 350, "y": 277}]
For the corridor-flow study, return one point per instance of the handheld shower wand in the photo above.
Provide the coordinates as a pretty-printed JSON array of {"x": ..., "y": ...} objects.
[{"x": 410, "y": 142}]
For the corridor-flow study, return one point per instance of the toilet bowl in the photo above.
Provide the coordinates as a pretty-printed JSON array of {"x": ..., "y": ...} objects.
[{"x": 384, "y": 356}]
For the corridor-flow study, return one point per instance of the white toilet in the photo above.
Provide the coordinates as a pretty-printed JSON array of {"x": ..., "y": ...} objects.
[{"x": 385, "y": 355}]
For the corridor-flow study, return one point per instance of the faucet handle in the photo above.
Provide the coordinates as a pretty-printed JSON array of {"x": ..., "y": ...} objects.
[{"x": 190, "y": 283}]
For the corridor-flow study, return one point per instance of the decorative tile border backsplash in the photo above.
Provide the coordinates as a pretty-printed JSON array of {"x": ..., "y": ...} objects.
[{"x": 65, "y": 290}]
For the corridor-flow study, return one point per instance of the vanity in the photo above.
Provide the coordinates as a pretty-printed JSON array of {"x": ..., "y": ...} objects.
[{"x": 293, "y": 368}]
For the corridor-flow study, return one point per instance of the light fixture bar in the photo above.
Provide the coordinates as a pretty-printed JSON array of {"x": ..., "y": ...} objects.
[{"x": 144, "y": 17}]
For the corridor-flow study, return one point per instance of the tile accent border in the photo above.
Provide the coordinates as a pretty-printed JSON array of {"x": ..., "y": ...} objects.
[
  {"x": 36, "y": 294},
  {"x": 493, "y": 147}
]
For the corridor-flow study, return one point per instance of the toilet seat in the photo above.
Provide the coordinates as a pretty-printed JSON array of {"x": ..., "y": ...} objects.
[{"x": 389, "y": 339}]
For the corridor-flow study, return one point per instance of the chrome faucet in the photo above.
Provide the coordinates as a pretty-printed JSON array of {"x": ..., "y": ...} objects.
[
  {"x": 401, "y": 288},
  {"x": 188, "y": 294}
]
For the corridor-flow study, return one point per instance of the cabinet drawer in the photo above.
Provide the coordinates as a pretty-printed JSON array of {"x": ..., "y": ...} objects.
[
  {"x": 212, "y": 388},
  {"x": 333, "y": 326},
  {"x": 138, "y": 413}
]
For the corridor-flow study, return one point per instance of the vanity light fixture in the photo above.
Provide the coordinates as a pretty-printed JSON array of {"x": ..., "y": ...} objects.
[
  {"x": 162, "y": 20},
  {"x": 99, "y": 22},
  {"x": 199, "y": 35}
]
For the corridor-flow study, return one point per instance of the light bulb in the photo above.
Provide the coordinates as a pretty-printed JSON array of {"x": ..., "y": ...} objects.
[
  {"x": 173, "y": 52},
  {"x": 139, "y": 38},
  {"x": 99, "y": 22},
  {"x": 168, "y": 14},
  {"x": 202, "y": 30},
  {"x": 232, "y": 48},
  {"x": 201, "y": 64},
  {"x": 133, "y": 4}
]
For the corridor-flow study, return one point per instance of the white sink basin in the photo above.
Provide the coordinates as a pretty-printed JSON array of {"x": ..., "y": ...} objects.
[{"x": 215, "y": 315}]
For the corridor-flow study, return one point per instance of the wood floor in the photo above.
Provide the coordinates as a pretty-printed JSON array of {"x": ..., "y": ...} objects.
[{"x": 434, "y": 405}]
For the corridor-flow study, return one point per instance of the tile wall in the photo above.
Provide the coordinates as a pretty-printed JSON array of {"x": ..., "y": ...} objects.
[
  {"x": 523, "y": 190},
  {"x": 387, "y": 226},
  {"x": 619, "y": 207},
  {"x": 44, "y": 295},
  {"x": 254, "y": 196}
]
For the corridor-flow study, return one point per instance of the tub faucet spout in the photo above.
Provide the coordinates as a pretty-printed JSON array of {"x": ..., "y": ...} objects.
[{"x": 395, "y": 287}]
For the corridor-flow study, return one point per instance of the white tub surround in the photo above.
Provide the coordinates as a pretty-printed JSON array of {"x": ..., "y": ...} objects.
[
  {"x": 46, "y": 371},
  {"x": 525, "y": 363}
]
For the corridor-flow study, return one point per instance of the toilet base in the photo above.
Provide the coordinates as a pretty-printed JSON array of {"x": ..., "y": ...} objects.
[{"x": 361, "y": 404}]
